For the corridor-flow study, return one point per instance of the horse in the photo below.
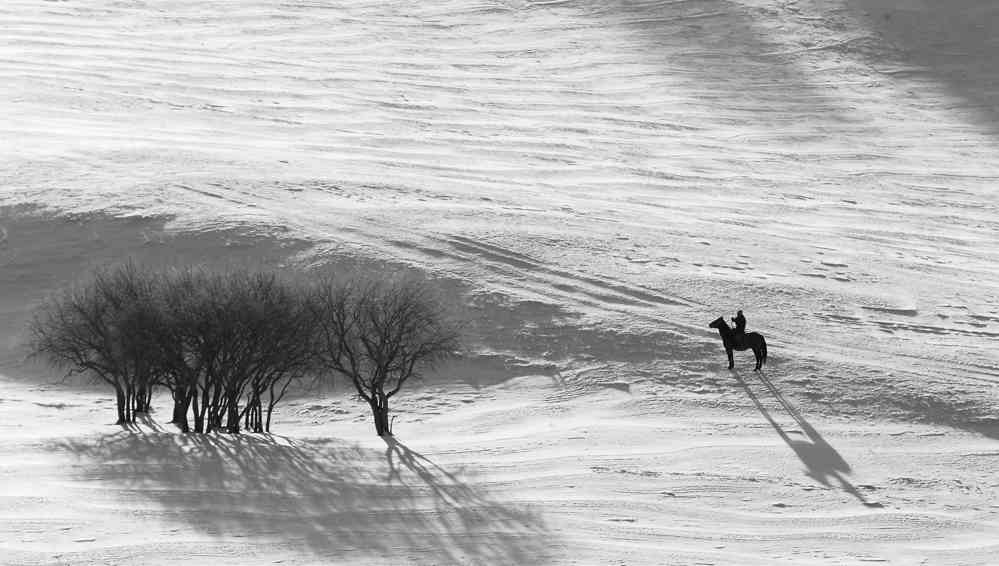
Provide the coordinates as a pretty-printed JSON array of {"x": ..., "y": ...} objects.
[{"x": 748, "y": 340}]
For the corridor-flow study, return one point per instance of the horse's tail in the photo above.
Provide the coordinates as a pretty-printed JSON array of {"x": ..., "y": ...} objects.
[{"x": 763, "y": 348}]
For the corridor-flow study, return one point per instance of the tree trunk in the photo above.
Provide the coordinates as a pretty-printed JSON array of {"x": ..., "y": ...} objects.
[
  {"x": 232, "y": 416},
  {"x": 258, "y": 414},
  {"x": 120, "y": 401},
  {"x": 180, "y": 407},
  {"x": 199, "y": 413},
  {"x": 251, "y": 414},
  {"x": 129, "y": 403},
  {"x": 379, "y": 410},
  {"x": 143, "y": 396}
]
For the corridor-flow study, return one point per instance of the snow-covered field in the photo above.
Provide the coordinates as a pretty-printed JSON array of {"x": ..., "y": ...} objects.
[{"x": 593, "y": 182}]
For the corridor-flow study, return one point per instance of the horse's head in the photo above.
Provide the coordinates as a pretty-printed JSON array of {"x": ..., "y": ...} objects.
[{"x": 718, "y": 323}]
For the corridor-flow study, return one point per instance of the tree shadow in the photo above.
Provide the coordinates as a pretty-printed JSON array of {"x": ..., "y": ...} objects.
[
  {"x": 822, "y": 462},
  {"x": 463, "y": 506},
  {"x": 143, "y": 422},
  {"x": 332, "y": 497}
]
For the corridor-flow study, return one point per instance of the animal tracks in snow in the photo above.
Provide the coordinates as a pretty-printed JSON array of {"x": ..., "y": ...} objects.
[{"x": 602, "y": 291}]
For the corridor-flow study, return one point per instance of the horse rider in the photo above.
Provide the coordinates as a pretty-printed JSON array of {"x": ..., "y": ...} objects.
[{"x": 740, "y": 327}]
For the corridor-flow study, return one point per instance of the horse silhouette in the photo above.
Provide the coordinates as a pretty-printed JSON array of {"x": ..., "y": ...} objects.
[{"x": 746, "y": 341}]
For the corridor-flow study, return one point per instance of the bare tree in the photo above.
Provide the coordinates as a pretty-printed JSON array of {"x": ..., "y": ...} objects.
[
  {"x": 188, "y": 348},
  {"x": 233, "y": 344},
  {"x": 102, "y": 328},
  {"x": 226, "y": 344},
  {"x": 278, "y": 329},
  {"x": 379, "y": 335}
]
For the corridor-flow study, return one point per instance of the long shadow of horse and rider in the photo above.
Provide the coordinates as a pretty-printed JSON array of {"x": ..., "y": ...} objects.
[{"x": 822, "y": 462}]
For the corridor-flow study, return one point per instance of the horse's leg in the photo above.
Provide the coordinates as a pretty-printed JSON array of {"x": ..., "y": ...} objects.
[
  {"x": 759, "y": 357},
  {"x": 731, "y": 360}
]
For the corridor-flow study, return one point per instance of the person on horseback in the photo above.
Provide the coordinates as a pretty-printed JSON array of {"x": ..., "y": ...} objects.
[
  {"x": 740, "y": 327},
  {"x": 738, "y": 339}
]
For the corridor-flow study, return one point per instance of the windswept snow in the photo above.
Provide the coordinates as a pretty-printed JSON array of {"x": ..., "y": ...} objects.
[{"x": 593, "y": 182}]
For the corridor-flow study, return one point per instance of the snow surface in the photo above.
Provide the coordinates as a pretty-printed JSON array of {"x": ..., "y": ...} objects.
[{"x": 593, "y": 182}]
